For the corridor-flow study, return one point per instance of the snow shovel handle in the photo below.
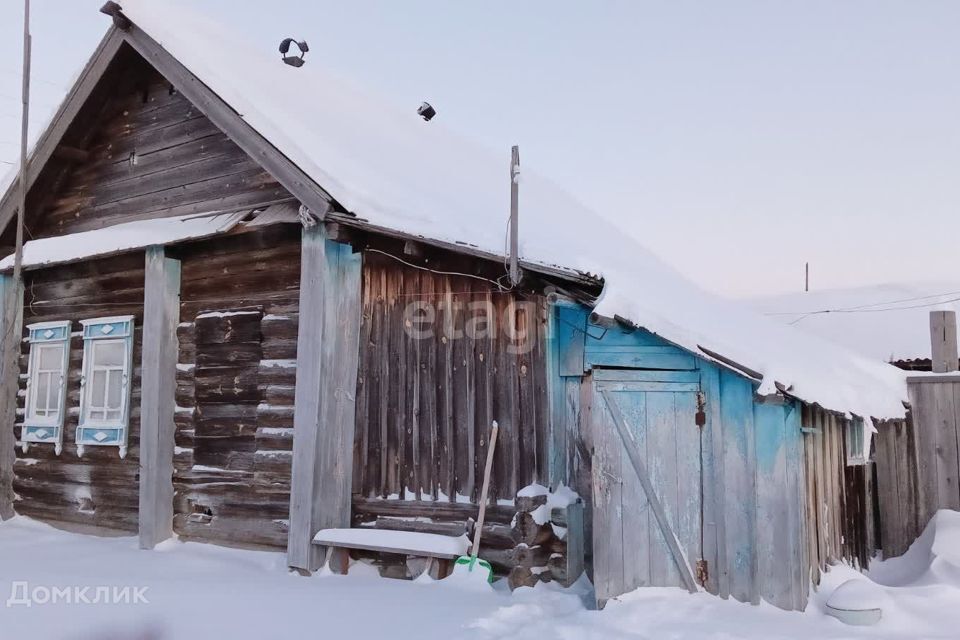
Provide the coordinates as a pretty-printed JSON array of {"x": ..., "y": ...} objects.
[{"x": 478, "y": 530}]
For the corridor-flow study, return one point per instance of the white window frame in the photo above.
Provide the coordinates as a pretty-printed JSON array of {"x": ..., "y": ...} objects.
[
  {"x": 859, "y": 437},
  {"x": 106, "y": 433},
  {"x": 46, "y": 430}
]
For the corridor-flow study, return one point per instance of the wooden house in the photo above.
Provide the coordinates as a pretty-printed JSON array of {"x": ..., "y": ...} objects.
[{"x": 258, "y": 304}]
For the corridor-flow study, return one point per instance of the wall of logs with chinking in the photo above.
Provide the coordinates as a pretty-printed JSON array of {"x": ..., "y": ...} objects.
[
  {"x": 100, "y": 489},
  {"x": 235, "y": 387},
  {"x": 425, "y": 405}
]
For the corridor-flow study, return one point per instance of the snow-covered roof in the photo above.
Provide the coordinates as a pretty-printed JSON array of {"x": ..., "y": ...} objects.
[
  {"x": 889, "y": 321},
  {"x": 388, "y": 166},
  {"x": 122, "y": 237}
]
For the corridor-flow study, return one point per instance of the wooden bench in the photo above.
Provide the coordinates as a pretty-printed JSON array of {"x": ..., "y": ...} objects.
[{"x": 430, "y": 552}]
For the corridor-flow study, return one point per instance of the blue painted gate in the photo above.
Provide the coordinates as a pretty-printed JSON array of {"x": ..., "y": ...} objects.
[{"x": 647, "y": 463}]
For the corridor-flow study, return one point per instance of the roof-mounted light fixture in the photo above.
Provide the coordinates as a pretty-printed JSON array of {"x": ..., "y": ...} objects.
[
  {"x": 426, "y": 111},
  {"x": 293, "y": 61}
]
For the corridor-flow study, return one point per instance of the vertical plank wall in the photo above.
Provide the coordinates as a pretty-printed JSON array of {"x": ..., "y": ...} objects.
[
  {"x": 235, "y": 393},
  {"x": 898, "y": 485},
  {"x": 425, "y": 406},
  {"x": 763, "y": 496},
  {"x": 919, "y": 461},
  {"x": 98, "y": 490}
]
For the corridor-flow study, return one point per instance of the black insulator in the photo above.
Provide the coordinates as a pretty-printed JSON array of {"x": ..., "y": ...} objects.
[{"x": 426, "y": 111}]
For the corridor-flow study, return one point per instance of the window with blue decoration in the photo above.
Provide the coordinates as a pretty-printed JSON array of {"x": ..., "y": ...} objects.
[
  {"x": 46, "y": 385},
  {"x": 106, "y": 383}
]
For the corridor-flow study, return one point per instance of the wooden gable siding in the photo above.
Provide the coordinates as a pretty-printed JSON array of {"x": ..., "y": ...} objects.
[
  {"x": 235, "y": 392},
  {"x": 151, "y": 153},
  {"x": 425, "y": 406},
  {"x": 100, "y": 489}
]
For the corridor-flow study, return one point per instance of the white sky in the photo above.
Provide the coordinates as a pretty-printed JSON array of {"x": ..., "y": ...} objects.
[{"x": 735, "y": 139}]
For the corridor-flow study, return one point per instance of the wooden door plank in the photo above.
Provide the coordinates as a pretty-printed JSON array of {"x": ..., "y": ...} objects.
[
  {"x": 635, "y": 508},
  {"x": 607, "y": 501},
  {"x": 639, "y": 467},
  {"x": 662, "y": 469},
  {"x": 688, "y": 473}
]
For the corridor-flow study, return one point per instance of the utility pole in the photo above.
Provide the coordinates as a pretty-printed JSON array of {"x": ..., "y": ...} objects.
[
  {"x": 24, "y": 133},
  {"x": 514, "y": 215},
  {"x": 807, "y": 277},
  {"x": 12, "y": 294}
]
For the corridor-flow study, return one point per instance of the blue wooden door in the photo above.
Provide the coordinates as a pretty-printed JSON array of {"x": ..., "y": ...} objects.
[{"x": 647, "y": 502}]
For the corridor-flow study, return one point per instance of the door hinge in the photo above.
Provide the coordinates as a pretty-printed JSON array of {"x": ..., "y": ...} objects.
[
  {"x": 703, "y": 572},
  {"x": 701, "y": 417}
]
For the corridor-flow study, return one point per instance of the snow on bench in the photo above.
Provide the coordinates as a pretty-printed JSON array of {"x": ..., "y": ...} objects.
[{"x": 409, "y": 543}]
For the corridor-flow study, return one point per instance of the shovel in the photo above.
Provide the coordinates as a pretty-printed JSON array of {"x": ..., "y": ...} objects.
[{"x": 471, "y": 564}]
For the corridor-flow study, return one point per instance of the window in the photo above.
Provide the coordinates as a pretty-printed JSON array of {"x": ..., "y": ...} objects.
[
  {"x": 46, "y": 384},
  {"x": 105, "y": 386},
  {"x": 858, "y": 442}
]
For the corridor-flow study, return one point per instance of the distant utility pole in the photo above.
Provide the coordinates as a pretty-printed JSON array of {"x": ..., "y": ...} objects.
[{"x": 807, "y": 277}]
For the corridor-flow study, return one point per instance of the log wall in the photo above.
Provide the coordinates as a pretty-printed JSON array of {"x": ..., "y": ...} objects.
[
  {"x": 236, "y": 380},
  {"x": 425, "y": 405},
  {"x": 100, "y": 489}
]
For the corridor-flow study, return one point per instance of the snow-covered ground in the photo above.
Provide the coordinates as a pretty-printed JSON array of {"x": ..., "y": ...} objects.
[{"x": 201, "y": 591}]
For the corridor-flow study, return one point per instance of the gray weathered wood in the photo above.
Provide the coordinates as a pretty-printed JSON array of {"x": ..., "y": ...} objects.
[
  {"x": 327, "y": 362},
  {"x": 51, "y": 137},
  {"x": 230, "y": 122},
  {"x": 636, "y": 459},
  {"x": 11, "y": 320},
  {"x": 943, "y": 341},
  {"x": 161, "y": 315},
  {"x": 948, "y": 465},
  {"x": 575, "y": 543}
]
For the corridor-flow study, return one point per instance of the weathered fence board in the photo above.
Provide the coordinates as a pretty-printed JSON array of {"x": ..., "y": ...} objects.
[{"x": 441, "y": 358}]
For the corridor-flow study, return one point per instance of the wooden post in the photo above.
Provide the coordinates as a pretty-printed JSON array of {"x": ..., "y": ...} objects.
[
  {"x": 943, "y": 341},
  {"x": 327, "y": 358},
  {"x": 11, "y": 328},
  {"x": 161, "y": 315},
  {"x": 515, "y": 215}
]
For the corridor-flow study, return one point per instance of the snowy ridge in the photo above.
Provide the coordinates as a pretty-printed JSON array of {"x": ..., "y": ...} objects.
[{"x": 389, "y": 167}]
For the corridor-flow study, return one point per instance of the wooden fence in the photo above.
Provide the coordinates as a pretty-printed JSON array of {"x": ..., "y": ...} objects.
[
  {"x": 918, "y": 464},
  {"x": 840, "y": 524}
]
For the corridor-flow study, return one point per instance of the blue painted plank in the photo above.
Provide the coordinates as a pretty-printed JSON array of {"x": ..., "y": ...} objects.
[
  {"x": 714, "y": 491},
  {"x": 636, "y": 519},
  {"x": 773, "y": 506},
  {"x": 642, "y": 358},
  {"x": 622, "y": 375},
  {"x": 736, "y": 416},
  {"x": 571, "y": 332}
]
